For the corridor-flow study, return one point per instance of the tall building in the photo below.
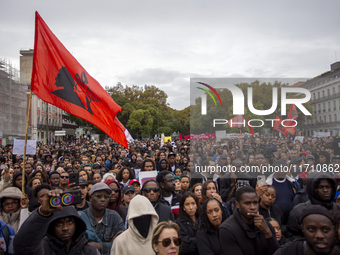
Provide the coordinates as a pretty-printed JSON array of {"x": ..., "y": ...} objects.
[
  {"x": 45, "y": 118},
  {"x": 325, "y": 101},
  {"x": 12, "y": 104}
]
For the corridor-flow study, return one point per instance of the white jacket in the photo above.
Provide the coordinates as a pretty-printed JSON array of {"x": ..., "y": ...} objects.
[{"x": 131, "y": 241}]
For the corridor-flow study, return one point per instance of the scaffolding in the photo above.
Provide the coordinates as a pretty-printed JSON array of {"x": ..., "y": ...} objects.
[{"x": 13, "y": 103}]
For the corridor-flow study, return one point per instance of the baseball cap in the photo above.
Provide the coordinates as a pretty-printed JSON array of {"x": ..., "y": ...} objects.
[
  {"x": 134, "y": 181},
  {"x": 171, "y": 154},
  {"x": 310, "y": 156},
  {"x": 96, "y": 165},
  {"x": 99, "y": 187},
  {"x": 128, "y": 188}
]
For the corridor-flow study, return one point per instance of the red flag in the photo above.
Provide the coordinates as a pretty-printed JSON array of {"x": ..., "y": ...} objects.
[
  {"x": 58, "y": 79},
  {"x": 278, "y": 126},
  {"x": 251, "y": 130},
  {"x": 237, "y": 121},
  {"x": 292, "y": 115},
  {"x": 293, "y": 112}
]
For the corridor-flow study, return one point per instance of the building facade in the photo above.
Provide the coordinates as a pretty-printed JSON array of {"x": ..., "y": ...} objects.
[
  {"x": 13, "y": 104},
  {"x": 325, "y": 101},
  {"x": 44, "y": 118}
]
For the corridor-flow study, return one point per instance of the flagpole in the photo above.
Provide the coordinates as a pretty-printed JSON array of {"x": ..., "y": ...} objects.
[{"x": 27, "y": 122}]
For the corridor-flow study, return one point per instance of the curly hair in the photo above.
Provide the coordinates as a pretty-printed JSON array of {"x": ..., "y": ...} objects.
[
  {"x": 205, "y": 223},
  {"x": 119, "y": 176}
]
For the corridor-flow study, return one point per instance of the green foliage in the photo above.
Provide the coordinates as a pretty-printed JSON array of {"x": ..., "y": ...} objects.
[{"x": 146, "y": 113}]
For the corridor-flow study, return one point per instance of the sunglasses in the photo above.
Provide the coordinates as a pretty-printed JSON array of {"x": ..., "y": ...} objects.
[
  {"x": 167, "y": 241},
  {"x": 64, "y": 177},
  {"x": 16, "y": 167},
  {"x": 115, "y": 190},
  {"x": 148, "y": 190}
]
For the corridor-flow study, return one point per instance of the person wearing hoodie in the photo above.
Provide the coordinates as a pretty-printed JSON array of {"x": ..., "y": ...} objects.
[
  {"x": 13, "y": 208},
  {"x": 116, "y": 199},
  {"x": 142, "y": 219},
  {"x": 53, "y": 231},
  {"x": 321, "y": 189}
]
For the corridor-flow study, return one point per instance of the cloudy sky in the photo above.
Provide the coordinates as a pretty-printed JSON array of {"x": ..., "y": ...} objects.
[{"x": 165, "y": 43}]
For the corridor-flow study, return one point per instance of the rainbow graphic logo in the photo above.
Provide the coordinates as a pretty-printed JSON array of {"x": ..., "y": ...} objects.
[{"x": 209, "y": 93}]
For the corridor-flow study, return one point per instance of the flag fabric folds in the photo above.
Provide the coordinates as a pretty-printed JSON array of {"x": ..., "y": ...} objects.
[
  {"x": 237, "y": 121},
  {"x": 278, "y": 126},
  {"x": 251, "y": 130},
  {"x": 58, "y": 79},
  {"x": 293, "y": 115}
]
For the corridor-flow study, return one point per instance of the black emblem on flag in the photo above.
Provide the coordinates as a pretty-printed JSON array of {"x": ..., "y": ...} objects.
[{"x": 70, "y": 88}]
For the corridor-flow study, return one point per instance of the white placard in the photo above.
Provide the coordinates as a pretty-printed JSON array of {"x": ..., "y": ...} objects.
[
  {"x": 18, "y": 147},
  {"x": 299, "y": 138},
  {"x": 147, "y": 175}
]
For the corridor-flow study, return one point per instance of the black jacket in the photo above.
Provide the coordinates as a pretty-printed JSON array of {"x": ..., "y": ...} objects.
[
  {"x": 208, "y": 243},
  {"x": 294, "y": 225},
  {"x": 274, "y": 212},
  {"x": 296, "y": 248},
  {"x": 238, "y": 238},
  {"x": 36, "y": 236},
  {"x": 164, "y": 212},
  {"x": 188, "y": 236}
]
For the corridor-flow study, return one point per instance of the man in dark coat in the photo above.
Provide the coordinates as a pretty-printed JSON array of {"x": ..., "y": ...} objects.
[
  {"x": 246, "y": 232},
  {"x": 318, "y": 230},
  {"x": 49, "y": 231},
  {"x": 321, "y": 189},
  {"x": 152, "y": 192}
]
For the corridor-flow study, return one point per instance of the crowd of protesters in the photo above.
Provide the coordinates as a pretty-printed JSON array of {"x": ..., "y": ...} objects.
[{"x": 242, "y": 195}]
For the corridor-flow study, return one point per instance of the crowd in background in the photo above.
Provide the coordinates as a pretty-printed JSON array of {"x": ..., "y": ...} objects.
[{"x": 190, "y": 207}]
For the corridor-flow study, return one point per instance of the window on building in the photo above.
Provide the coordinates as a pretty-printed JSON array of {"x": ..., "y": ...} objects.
[
  {"x": 323, "y": 93},
  {"x": 324, "y": 119},
  {"x": 38, "y": 122},
  {"x": 335, "y": 117},
  {"x": 328, "y": 92},
  {"x": 330, "y": 118},
  {"x": 334, "y": 105},
  {"x": 329, "y": 106},
  {"x": 324, "y": 107},
  {"x": 319, "y": 94},
  {"x": 333, "y": 90}
]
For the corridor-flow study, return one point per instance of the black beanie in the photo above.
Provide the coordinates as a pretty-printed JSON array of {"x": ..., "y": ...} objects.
[{"x": 316, "y": 209}]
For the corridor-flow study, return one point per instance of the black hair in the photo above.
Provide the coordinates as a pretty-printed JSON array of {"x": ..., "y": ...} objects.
[
  {"x": 242, "y": 190},
  {"x": 205, "y": 188},
  {"x": 161, "y": 175},
  {"x": 40, "y": 187},
  {"x": 205, "y": 223},
  {"x": 182, "y": 215},
  {"x": 119, "y": 176},
  {"x": 148, "y": 160},
  {"x": 148, "y": 181}
]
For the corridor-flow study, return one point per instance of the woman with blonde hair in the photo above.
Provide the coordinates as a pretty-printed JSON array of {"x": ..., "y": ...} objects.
[{"x": 165, "y": 238}]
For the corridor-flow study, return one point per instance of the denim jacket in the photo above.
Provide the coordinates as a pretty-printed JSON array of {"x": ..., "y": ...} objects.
[{"x": 109, "y": 226}]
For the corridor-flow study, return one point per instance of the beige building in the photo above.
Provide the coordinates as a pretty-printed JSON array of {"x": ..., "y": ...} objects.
[{"x": 325, "y": 101}]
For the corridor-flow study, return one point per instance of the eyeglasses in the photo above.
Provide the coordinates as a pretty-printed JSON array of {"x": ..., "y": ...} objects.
[
  {"x": 167, "y": 241},
  {"x": 11, "y": 203},
  {"x": 148, "y": 190},
  {"x": 64, "y": 177},
  {"x": 102, "y": 196},
  {"x": 116, "y": 190}
]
